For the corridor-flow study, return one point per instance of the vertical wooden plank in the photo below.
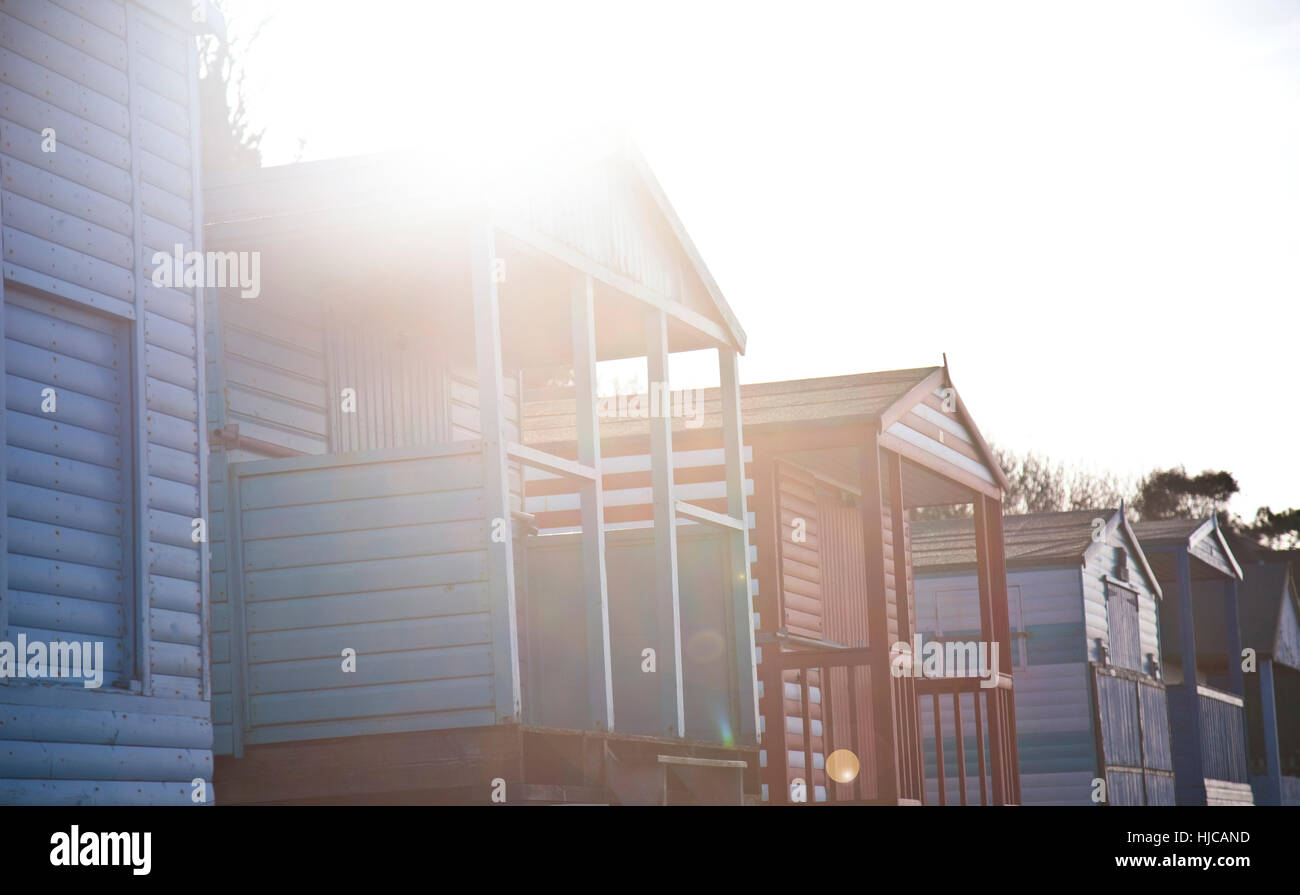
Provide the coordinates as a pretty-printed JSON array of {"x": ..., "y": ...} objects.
[
  {"x": 828, "y": 728},
  {"x": 1232, "y": 635},
  {"x": 200, "y": 364},
  {"x": 883, "y": 720},
  {"x": 238, "y": 618},
  {"x": 600, "y": 679},
  {"x": 997, "y": 553},
  {"x": 979, "y": 748},
  {"x": 988, "y": 632},
  {"x": 491, "y": 385},
  {"x": 139, "y": 612},
  {"x": 940, "y": 773},
  {"x": 742, "y": 605},
  {"x": 1190, "y": 744},
  {"x": 961, "y": 743},
  {"x": 854, "y": 742},
  {"x": 911, "y": 759},
  {"x": 667, "y": 599},
  {"x": 4, "y": 472},
  {"x": 767, "y": 531},
  {"x": 1272, "y": 752},
  {"x": 805, "y": 722}
]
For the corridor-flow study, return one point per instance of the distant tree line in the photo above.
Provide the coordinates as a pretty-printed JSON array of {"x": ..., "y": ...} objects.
[{"x": 1041, "y": 485}]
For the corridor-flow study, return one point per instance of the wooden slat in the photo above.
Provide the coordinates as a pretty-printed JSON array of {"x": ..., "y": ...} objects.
[
  {"x": 667, "y": 600},
  {"x": 551, "y": 463},
  {"x": 708, "y": 517},
  {"x": 501, "y": 566},
  {"x": 600, "y": 676},
  {"x": 882, "y": 714},
  {"x": 742, "y": 604}
]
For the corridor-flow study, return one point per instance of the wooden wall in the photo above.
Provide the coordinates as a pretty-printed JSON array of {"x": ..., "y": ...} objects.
[
  {"x": 1062, "y": 612},
  {"x": 823, "y": 576},
  {"x": 117, "y": 83},
  {"x": 384, "y": 553},
  {"x": 551, "y": 639},
  {"x": 1053, "y": 701}
]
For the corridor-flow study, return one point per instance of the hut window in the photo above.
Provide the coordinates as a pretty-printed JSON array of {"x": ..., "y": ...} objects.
[
  {"x": 1125, "y": 633},
  {"x": 956, "y": 618}
]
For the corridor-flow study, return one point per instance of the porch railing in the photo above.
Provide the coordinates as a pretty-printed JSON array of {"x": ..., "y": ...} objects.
[
  {"x": 841, "y": 678},
  {"x": 992, "y": 710},
  {"x": 1223, "y": 735}
]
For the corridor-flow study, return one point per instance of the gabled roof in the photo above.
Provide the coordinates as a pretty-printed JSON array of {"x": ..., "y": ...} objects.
[
  {"x": 603, "y": 213},
  {"x": 882, "y": 397},
  {"x": 651, "y": 184},
  {"x": 1261, "y": 607},
  {"x": 1033, "y": 539},
  {"x": 1202, "y": 537}
]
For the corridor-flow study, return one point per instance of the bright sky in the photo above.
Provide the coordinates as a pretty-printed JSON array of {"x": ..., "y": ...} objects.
[{"x": 1092, "y": 207}]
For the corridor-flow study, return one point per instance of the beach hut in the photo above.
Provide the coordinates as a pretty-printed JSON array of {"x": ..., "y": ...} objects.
[
  {"x": 385, "y": 626},
  {"x": 1091, "y": 715},
  {"x": 1270, "y": 626},
  {"x": 104, "y": 693},
  {"x": 834, "y": 466},
  {"x": 1200, "y": 641}
]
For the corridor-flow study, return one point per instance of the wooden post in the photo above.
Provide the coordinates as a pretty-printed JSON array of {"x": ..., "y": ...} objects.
[
  {"x": 910, "y": 717},
  {"x": 742, "y": 601},
  {"x": 996, "y": 543},
  {"x": 667, "y": 602},
  {"x": 1189, "y": 773},
  {"x": 4, "y": 483},
  {"x": 496, "y": 483},
  {"x": 883, "y": 720},
  {"x": 998, "y": 581},
  {"x": 138, "y": 631},
  {"x": 989, "y": 633},
  {"x": 767, "y": 530},
  {"x": 1232, "y": 637},
  {"x": 600, "y": 680},
  {"x": 1268, "y": 710}
]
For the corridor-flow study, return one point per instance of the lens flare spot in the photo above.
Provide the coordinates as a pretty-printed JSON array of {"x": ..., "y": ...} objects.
[
  {"x": 705, "y": 645},
  {"x": 842, "y": 765}
]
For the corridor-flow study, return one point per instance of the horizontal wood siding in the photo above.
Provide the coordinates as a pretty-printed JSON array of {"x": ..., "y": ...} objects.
[
  {"x": 81, "y": 225},
  {"x": 272, "y": 372},
  {"x": 69, "y": 492},
  {"x": 1104, "y": 559},
  {"x": 1053, "y": 697},
  {"x": 384, "y": 553},
  {"x": 940, "y": 433}
]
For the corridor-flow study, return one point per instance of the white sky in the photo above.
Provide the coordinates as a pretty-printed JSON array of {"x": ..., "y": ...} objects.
[{"x": 1093, "y": 208}]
